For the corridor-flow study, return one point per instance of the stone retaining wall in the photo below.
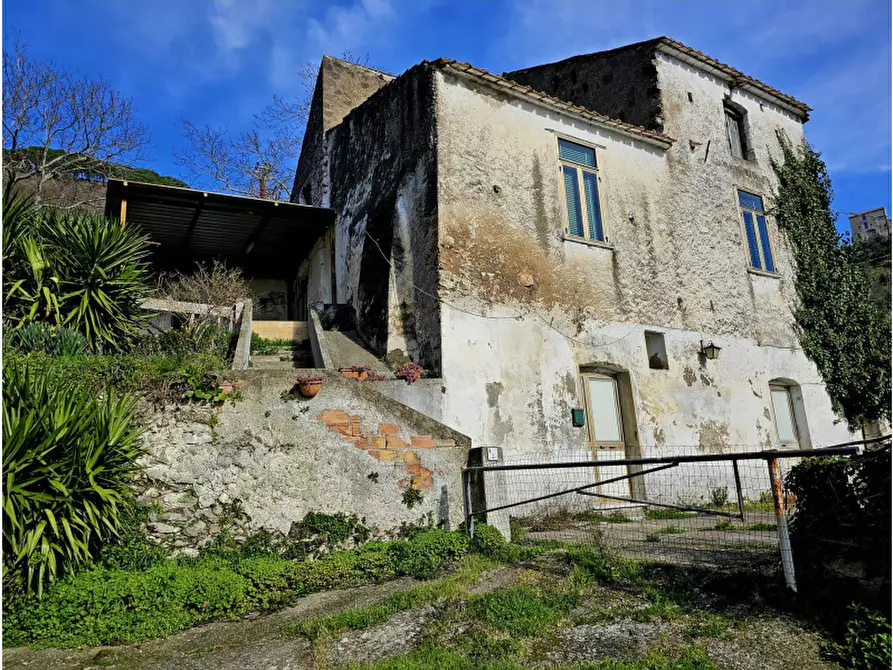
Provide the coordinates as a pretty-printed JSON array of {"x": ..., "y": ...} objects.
[{"x": 265, "y": 461}]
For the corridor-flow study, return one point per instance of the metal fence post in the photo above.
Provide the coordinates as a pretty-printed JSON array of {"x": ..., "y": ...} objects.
[
  {"x": 738, "y": 490},
  {"x": 784, "y": 539},
  {"x": 466, "y": 494}
]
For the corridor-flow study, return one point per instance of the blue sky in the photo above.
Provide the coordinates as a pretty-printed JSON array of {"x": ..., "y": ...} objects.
[{"x": 220, "y": 61}]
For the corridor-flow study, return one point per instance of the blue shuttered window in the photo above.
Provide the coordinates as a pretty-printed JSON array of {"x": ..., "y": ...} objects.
[
  {"x": 572, "y": 196},
  {"x": 584, "y": 217},
  {"x": 756, "y": 232}
]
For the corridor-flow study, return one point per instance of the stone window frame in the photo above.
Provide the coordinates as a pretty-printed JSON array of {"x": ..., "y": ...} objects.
[
  {"x": 770, "y": 233},
  {"x": 567, "y": 235}
]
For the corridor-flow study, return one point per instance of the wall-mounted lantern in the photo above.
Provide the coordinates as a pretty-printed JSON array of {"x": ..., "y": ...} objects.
[{"x": 710, "y": 351}]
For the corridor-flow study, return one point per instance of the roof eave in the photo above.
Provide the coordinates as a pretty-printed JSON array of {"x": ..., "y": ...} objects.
[
  {"x": 735, "y": 78},
  {"x": 528, "y": 94}
]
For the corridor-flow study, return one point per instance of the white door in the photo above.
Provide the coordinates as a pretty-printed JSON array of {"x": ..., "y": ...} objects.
[{"x": 606, "y": 439}]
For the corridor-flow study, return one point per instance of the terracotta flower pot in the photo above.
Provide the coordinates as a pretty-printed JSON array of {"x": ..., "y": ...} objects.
[
  {"x": 351, "y": 373},
  {"x": 309, "y": 389}
]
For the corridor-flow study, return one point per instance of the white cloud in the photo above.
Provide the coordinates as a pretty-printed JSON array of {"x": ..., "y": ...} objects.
[{"x": 775, "y": 42}]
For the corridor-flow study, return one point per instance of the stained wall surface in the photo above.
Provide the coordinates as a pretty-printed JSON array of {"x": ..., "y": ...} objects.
[{"x": 526, "y": 310}]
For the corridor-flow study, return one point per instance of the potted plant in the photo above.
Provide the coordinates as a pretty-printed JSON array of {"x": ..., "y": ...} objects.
[
  {"x": 410, "y": 372},
  {"x": 309, "y": 386},
  {"x": 358, "y": 372}
]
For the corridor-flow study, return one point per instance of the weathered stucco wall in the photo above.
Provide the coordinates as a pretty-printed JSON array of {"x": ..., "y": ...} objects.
[
  {"x": 266, "y": 461},
  {"x": 340, "y": 87},
  {"x": 621, "y": 83},
  {"x": 270, "y": 299},
  {"x": 678, "y": 266},
  {"x": 383, "y": 179}
]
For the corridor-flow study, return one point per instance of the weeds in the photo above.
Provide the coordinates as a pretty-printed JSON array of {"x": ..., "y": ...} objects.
[{"x": 660, "y": 514}]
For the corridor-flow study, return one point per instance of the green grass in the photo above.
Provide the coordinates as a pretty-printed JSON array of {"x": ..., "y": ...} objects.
[
  {"x": 261, "y": 346},
  {"x": 652, "y": 514},
  {"x": 103, "y": 605},
  {"x": 670, "y": 530},
  {"x": 435, "y": 657},
  {"x": 521, "y": 610},
  {"x": 761, "y": 527},
  {"x": 614, "y": 517},
  {"x": 469, "y": 572}
]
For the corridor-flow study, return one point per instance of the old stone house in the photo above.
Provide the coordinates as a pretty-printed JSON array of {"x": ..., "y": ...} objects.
[{"x": 576, "y": 234}]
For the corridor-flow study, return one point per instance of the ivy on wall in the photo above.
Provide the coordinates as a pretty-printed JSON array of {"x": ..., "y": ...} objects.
[{"x": 842, "y": 329}]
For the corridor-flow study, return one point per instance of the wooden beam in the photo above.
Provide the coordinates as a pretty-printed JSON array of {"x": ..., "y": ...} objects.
[
  {"x": 194, "y": 221},
  {"x": 122, "y": 216},
  {"x": 255, "y": 235}
]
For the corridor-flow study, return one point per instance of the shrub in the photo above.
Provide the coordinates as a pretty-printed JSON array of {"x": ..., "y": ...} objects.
[
  {"x": 426, "y": 553},
  {"x": 48, "y": 339},
  {"x": 66, "y": 461},
  {"x": 101, "y": 605},
  {"x": 189, "y": 339},
  {"x": 487, "y": 539},
  {"x": 122, "y": 373},
  {"x": 208, "y": 284},
  {"x": 867, "y": 641}
]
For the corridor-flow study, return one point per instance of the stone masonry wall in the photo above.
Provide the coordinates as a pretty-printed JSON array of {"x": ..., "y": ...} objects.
[{"x": 267, "y": 460}]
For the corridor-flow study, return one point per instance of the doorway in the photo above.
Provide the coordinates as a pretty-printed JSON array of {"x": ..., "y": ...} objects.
[{"x": 608, "y": 434}]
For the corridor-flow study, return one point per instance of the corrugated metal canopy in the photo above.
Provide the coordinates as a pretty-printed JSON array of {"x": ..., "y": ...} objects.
[{"x": 263, "y": 237}]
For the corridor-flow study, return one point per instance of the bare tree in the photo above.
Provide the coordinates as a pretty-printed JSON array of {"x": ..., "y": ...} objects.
[
  {"x": 62, "y": 127},
  {"x": 260, "y": 162}
]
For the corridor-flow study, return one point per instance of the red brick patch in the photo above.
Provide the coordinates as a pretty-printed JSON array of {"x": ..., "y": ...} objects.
[
  {"x": 421, "y": 483},
  {"x": 331, "y": 416},
  {"x": 410, "y": 457},
  {"x": 396, "y": 443},
  {"x": 423, "y": 441},
  {"x": 379, "y": 441},
  {"x": 388, "y": 429}
]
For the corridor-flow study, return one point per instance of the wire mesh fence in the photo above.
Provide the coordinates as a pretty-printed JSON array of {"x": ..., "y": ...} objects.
[{"x": 713, "y": 510}]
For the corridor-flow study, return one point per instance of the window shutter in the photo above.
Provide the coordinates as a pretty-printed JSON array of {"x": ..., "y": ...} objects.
[
  {"x": 593, "y": 211},
  {"x": 572, "y": 195},
  {"x": 576, "y": 153},
  {"x": 751, "y": 235},
  {"x": 768, "y": 263},
  {"x": 734, "y": 135}
]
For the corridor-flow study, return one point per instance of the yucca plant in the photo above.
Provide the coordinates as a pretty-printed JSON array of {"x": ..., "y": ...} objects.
[
  {"x": 31, "y": 284},
  {"x": 104, "y": 276},
  {"x": 76, "y": 269},
  {"x": 67, "y": 458}
]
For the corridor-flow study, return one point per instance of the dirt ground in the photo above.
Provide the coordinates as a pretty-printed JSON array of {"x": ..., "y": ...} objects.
[{"x": 611, "y": 622}]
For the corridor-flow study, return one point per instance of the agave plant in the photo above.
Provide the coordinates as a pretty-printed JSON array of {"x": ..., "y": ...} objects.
[
  {"x": 67, "y": 458},
  {"x": 51, "y": 340}
]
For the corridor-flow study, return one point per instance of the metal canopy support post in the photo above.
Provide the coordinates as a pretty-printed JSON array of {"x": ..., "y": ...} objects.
[{"x": 784, "y": 539}]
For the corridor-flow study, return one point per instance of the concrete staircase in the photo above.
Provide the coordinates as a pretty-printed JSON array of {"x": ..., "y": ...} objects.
[{"x": 298, "y": 355}]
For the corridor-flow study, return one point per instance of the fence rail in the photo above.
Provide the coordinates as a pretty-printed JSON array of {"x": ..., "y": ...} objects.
[{"x": 676, "y": 508}]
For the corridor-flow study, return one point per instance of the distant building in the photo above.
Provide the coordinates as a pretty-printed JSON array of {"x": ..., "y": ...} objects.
[{"x": 870, "y": 225}]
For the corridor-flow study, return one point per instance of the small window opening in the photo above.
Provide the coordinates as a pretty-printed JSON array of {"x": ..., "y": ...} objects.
[
  {"x": 657, "y": 351},
  {"x": 737, "y": 139},
  {"x": 306, "y": 194},
  {"x": 691, "y": 98}
]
